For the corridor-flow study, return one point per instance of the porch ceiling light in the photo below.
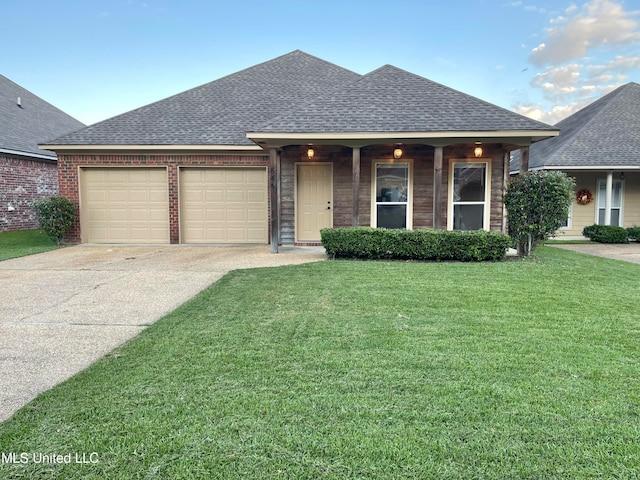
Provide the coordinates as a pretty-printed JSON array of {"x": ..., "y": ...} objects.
[
  {"x": 310, "y": 153},
  {"x": 478, "y": 150},
  {"x": 397, "y": 153}
]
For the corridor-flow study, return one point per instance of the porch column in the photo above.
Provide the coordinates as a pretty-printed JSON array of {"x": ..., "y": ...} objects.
[
  {"x": 437, "y": 187},
  {"x": 355, "y": 220},
  {"x": 524, "y": 160},
  {"x": 274, "y": 181},
  {"x": 607, "y": 199},
  {"x": 506, "y": 173}
]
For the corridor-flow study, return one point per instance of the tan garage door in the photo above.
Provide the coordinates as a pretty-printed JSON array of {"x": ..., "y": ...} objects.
[
  {"x": 124, "y": 205},
  {"x": 223, "y": 205}
]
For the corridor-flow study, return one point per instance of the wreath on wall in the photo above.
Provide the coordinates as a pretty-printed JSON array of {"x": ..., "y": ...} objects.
[{"x": 584, "y": 197}]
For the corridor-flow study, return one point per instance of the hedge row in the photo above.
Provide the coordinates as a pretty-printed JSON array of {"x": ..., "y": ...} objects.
[
  {"x": 611, "y": 233},
  {"x": 381, "y": 243}
]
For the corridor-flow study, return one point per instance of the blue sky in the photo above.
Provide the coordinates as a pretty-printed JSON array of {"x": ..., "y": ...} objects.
[{"x": 98, "y": 58}]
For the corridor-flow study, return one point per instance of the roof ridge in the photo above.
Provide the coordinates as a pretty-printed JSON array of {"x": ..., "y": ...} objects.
[
  {"x": 202, "y": 85},
  {"x": 326, "y": 94}
]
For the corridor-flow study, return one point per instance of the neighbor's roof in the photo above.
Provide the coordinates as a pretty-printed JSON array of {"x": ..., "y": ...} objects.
[
  {"x": 604, "y": 134},
  {"x": 222, "y": 111},
  {"x": 25, "y": 124}
]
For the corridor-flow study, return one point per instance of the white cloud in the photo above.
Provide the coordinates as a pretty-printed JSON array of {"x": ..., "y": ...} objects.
[
  {"x": 618, "y": 64},
  {"x": 585, "y": 53},
  {"x": 557, "y": 113},
  {"x": 599, "y": 24},
  {"x": 557, "y": 82}
]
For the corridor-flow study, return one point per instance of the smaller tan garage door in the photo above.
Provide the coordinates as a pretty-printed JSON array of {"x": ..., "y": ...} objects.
[
  {"x": 124, "y": 205},
  {"x": 223, "y": 205}
]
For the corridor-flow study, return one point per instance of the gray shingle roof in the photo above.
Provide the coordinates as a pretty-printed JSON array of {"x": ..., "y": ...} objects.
[
  {"x": 605, "y": 133},
  {"x": 36, "y": 121},
  {"x": 222, "y": 111},
  {"x": 390, "y": 99}
]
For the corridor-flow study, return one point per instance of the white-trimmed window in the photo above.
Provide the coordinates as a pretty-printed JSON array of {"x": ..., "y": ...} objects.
[
  {"x": 469, "y": 194},
  {"x": 392, "y": 194},
  {"x": 616, "y": 202}
]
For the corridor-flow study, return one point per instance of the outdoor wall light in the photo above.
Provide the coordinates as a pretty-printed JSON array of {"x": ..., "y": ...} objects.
[
  {"x": 397, "y": 153},
  {"x": 310, "y": 153},
  {"x": 478, "y": 150}
]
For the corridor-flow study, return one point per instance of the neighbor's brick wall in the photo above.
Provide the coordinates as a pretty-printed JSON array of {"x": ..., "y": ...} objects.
[
  {"x": 69, "y": 164},
  {"x": 24, "y": 180}
]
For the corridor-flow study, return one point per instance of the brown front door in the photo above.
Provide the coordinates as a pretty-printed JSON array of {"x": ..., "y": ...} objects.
[{"x": 314, "y": 200}]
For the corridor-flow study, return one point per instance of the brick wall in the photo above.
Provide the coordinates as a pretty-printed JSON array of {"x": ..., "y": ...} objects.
[
  {"x": 24, "y": 180},
  {"x": 422, "y": 156},
  {"x": 69, "y": 165}
]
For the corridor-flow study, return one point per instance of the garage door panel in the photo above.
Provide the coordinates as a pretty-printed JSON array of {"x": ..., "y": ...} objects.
[
  {"x": 235, "y": 216},
  {"x": 232, "y": 202},
  {"x": 254, "y": 215},
  {"x": 235, "y": 196},
  {"x": 125, "y": 205},
  {"x": 214, "y": 195}
]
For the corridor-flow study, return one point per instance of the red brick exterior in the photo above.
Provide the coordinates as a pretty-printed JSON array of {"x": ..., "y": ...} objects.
[
  {"x": 69, "y": 165},
  {"x": 341, "y": 158},
  {"x": 24, "y": 180}
]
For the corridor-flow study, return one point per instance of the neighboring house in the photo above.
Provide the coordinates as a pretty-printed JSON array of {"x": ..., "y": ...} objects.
[
  {"x": 274, "y": 153},
  {"x": 26, "y": 172},
  {"x": 600, "y": 147}
]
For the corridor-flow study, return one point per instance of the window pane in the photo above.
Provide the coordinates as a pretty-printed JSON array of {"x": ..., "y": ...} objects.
[
  {"x": 468, "y": 183},
  {"x": 392, "y": 216},
  {"x": 616, "y": 201},
  {"x": 468, "y": 217},
  {"x": 392, "y": 183},
  {"x": 616, "y": 193},
  {"x": 615, "y": 216}
]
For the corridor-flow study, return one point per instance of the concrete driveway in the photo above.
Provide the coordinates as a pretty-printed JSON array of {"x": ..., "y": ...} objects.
[
  {"x": 60, "y": 311},
  {"x": 627, "y": 252}
]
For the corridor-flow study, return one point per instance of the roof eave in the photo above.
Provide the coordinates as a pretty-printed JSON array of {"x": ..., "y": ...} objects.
[
  {"x": 513, "y": 137},
  {"x": 39, "y": 156},
  {"x": 219, "y": 149},
  {"x": 590, "y": 167}
]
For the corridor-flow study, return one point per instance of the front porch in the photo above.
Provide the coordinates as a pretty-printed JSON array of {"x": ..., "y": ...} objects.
[{"x": 421, "y": 187}]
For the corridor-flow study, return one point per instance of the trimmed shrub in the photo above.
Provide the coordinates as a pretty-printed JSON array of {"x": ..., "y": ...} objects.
[
  {"x": 395, "y": 244},
  {"x": 56, "y": 216},
  {"x": 606, "y": 233},
  {"x": 537, "y": 204},
  {"x": 633, "y": 233},
  {"x": 590, "y": 230}
]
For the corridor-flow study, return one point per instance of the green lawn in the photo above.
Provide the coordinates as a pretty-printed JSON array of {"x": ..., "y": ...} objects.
[
  {"x": 346, "y": 369},
  {"x": 24, "y": 242}
]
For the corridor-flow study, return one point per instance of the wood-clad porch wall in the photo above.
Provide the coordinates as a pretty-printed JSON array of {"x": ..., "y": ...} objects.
[{"x": 422, "y": 157}]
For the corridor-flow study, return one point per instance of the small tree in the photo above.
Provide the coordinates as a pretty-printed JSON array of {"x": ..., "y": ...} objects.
[
  {"x": 537, "y": 204},
  {"x": 56, "y": 216}
]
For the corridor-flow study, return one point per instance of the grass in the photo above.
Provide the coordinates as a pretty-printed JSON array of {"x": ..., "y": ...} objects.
[
  {"x": 343, "y": 369},
  {"x": 24, "y": 242}
]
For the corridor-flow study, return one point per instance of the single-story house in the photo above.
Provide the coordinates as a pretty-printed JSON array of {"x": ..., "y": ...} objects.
[
  {"x": 278, "y": 151},
  {"x": 26, "y": 172},
  {"x": 600, "y": 147}
]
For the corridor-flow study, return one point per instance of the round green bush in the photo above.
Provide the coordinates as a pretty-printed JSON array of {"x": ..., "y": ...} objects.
[{"x": 56, "y": 216}]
